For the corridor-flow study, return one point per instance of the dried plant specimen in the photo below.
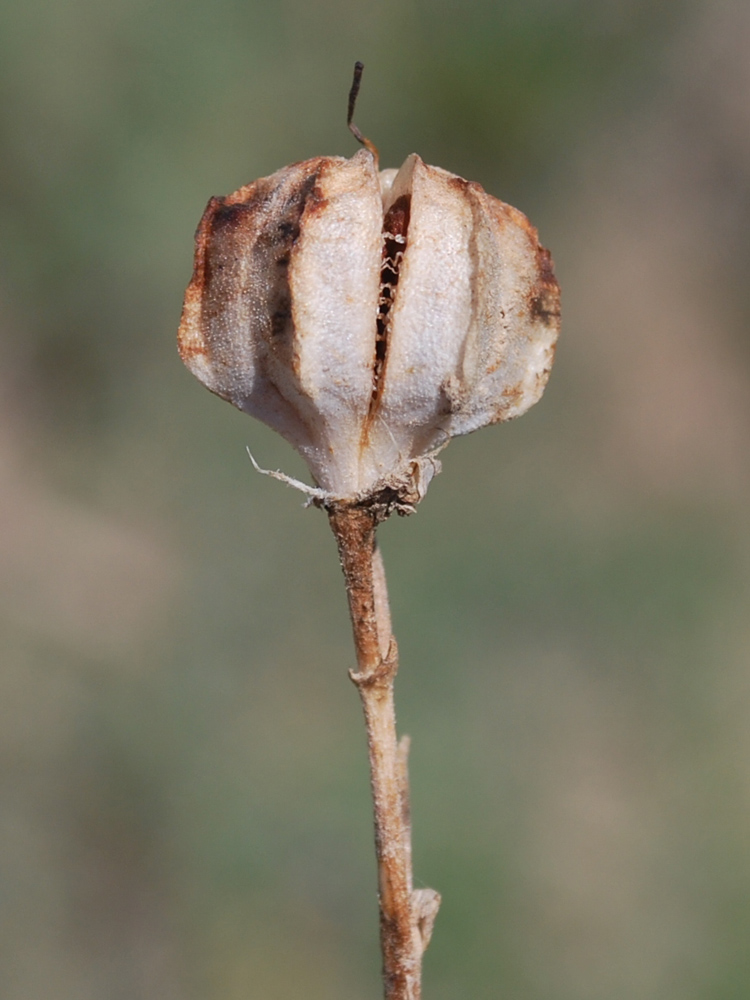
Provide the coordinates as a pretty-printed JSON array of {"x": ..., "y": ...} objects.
[{"x": 369, "y": 316}]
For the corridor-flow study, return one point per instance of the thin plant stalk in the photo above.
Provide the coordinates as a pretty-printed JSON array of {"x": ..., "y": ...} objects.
[{"x": 406, "y": 916}]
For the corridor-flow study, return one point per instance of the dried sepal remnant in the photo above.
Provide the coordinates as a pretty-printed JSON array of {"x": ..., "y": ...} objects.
[{"x": 370, "y": 316}]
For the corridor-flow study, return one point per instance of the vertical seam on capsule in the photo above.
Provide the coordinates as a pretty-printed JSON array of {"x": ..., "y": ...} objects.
[{"x": 394, "y": 243}]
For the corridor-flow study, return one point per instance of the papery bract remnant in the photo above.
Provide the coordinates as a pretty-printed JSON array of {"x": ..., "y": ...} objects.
[{"x": 369, "y": 317}]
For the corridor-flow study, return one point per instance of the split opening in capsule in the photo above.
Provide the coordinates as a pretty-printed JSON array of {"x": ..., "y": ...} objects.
[{"x": 395, "y": 229}]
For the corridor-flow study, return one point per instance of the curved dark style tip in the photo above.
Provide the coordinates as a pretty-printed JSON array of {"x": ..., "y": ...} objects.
[{"x": 353, "y": 94}]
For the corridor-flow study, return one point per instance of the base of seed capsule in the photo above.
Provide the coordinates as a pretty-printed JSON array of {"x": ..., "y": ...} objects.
[{"x": 395, "y": 494}]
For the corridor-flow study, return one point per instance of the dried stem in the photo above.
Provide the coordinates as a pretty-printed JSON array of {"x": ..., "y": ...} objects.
[{"x": 406, "y": 916}]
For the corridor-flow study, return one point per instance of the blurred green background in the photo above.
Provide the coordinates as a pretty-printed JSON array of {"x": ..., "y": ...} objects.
[{"x": 185, "y": 807}]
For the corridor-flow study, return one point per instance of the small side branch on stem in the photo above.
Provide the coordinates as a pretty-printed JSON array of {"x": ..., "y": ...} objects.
[{"x": 406, "y": 916}]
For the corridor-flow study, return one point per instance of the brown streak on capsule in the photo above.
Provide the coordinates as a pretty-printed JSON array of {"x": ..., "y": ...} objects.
[
  {"x": 316, "y": 201},
  {"x": 309, "y": 202},
  {"x": 191, "y": 341},
  {"x": 461, "y": 184},
  {"x": 227, "y": 215},
  {"x": 279, "y": 240},
  {"x": 543, "y": 299},
  {"x": 193, "y": 349},
  {"x": 255, "y": 229}
]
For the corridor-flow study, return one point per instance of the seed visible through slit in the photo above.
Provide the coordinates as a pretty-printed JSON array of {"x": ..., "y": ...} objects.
[{"x": 395, "y": 226}]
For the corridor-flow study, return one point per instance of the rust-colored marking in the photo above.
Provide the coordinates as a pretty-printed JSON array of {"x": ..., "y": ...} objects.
[
  {"x": 260, "y": 224},
  {"x": 190, "y": 336},
  {"x": 192, "y": 349},
  {"x": 460, "y": 184},
  {"x": 543, "y": 299},
  {"x": 316, "y": 201},
  {"x": 512, "y": 396},
  {"x": 227, "y": 217}
]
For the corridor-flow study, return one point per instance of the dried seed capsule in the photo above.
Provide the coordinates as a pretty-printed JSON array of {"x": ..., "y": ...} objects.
[{"x": 369, "y": 317}]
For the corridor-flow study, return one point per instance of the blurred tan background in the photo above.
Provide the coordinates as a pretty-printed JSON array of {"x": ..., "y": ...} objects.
[{"x": 184, "y": 811}]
